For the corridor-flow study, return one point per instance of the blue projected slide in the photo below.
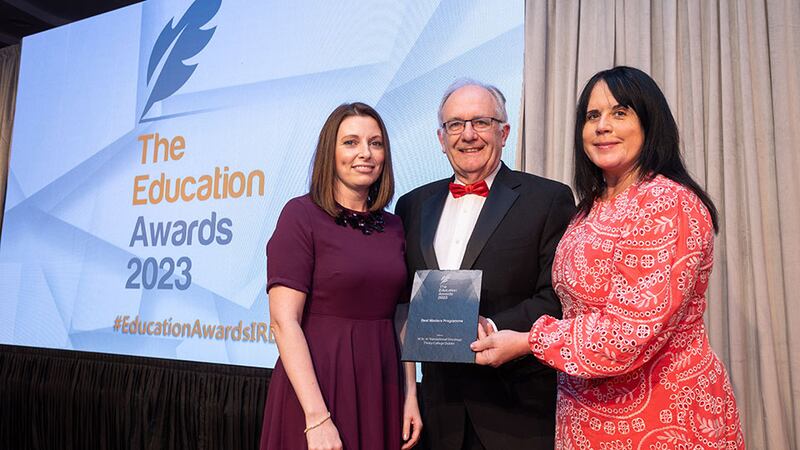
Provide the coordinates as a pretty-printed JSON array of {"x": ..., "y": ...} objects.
[{"x": 154, "y": 147}]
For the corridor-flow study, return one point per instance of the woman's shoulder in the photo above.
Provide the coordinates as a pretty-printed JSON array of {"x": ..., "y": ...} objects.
[
  {"x": 664, "y": 190},
  {"x": 300, "y": 212},
  {"x": 302, "y": 206},
  {"x": 300, "y": 202},
  {"x": 388, "y": 216},
  {"x": 392, "y": 221},
  {"x": 661, "y": 194}
]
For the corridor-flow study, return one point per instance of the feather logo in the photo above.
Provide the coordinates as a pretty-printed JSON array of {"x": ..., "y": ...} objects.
[{"x": 175, "y": 45}]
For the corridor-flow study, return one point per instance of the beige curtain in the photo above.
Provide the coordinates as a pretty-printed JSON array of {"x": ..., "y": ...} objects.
[
  {"x": 730, "y": 71},
  {"x": 9, "y": 70}
]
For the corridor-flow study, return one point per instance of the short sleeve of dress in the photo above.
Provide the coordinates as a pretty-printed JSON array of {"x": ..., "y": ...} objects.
[{"x": 290, "y": 250}]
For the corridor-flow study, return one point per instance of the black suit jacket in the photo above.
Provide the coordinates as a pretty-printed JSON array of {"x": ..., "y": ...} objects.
[{"x": 515, "y": 237}]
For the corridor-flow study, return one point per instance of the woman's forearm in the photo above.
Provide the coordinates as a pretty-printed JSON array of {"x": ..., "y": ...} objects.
[
  {"x": 296, "y": 359},
  {"x": 410, "y": 372}
]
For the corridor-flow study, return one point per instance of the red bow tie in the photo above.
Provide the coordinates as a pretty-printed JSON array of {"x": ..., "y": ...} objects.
[{"x": 460, "y": 190}]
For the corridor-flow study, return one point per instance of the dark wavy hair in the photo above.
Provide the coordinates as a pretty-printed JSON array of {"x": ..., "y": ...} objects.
[
  {"x": 323, "y": 172},
  {"x": 660, "y": 155}
]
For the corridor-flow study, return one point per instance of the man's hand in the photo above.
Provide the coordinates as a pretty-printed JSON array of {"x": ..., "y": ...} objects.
[{"x": 499, "y": 348}]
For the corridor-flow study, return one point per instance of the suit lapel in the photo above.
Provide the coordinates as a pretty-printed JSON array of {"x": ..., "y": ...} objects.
[
  {"x": 501, "y": 197},
  {"x": 431, "y": 213}
]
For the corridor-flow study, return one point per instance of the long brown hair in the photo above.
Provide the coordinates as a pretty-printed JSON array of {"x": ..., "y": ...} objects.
[{"x": 323, "y": 173}]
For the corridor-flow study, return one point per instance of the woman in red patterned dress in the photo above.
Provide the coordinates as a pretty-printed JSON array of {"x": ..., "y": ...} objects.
[{"x": 632, "y": 269}]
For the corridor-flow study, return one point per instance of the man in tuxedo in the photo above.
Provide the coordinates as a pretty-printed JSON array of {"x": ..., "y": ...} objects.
[{"x": 507, "y": 224}]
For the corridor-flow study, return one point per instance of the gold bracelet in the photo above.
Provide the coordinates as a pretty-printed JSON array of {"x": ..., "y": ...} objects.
[{"x": 309, "y": 428}]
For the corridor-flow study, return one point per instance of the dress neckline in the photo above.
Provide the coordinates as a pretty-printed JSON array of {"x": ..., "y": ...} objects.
[{"x": 366, "y": 221}]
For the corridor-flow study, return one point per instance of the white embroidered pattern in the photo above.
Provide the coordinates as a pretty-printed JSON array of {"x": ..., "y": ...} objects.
[{"x": 637, "y": 371}]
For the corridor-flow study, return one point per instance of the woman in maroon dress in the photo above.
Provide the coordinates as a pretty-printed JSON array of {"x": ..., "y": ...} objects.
[{"x": 335, "y": 271}]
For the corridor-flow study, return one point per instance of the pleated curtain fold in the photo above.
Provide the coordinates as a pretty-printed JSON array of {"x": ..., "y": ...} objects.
[{"x": 730, "y": 72}]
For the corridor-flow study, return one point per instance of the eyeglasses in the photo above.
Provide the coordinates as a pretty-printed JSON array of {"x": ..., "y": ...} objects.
[{"x": 478, "y": 124}]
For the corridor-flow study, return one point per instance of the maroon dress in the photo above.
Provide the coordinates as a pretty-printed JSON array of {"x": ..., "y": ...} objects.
[{"x": 353, "y": 282}]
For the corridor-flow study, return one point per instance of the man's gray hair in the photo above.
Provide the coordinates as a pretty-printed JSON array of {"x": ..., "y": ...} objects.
[{"x": 499, "y": 98}]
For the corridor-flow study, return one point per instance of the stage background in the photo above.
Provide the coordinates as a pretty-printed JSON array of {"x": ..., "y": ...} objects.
[{"x": 99, "y": 250}]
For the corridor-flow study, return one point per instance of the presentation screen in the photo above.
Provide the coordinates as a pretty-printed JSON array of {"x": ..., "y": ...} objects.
[{"x": 154, "y": 147}]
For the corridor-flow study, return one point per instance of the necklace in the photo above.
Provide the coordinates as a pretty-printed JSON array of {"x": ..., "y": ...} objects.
[{"x": 367, "y": 222}]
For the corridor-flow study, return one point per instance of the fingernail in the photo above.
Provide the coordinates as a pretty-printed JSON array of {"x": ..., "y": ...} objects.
[{"x": 405, "y": 437}]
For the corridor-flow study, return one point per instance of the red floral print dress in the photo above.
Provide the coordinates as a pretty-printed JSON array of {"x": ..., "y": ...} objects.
[{"x": 637, "y": 371}]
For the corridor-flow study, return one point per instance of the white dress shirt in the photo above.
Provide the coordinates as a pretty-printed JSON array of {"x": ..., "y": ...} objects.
[
  {"x": 458, "y": 220},
  {"x": 459, "y": 217}
]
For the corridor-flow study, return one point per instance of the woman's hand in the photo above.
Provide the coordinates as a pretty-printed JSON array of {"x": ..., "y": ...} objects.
[
  {"x": 286, "y": 307},
  {"x": 499, "y": 348},
  {"x": 412, "y": 422},
  {"x": 324, "y": 437}
]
